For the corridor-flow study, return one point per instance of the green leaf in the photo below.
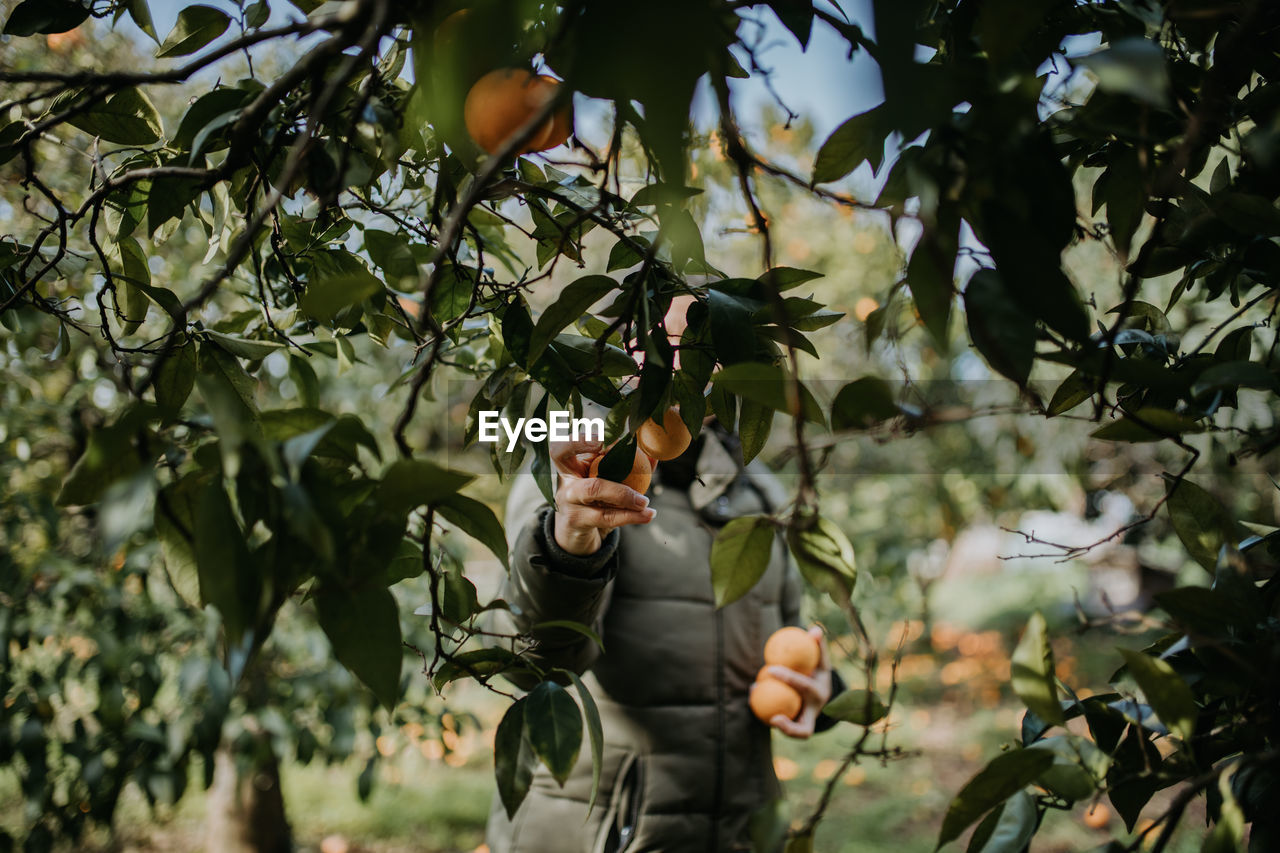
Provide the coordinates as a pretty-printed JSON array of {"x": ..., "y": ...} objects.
[
  {"x": 755, "y": 423},
  {"x": 175, "y": 524},
  {"x": 196, "y": 27},
  {"x": 109, "y": 455},
  {"x": 141, "y": 14},
  {"x": 513, "y": 758},
  {"x": 1004, "y": 335},
  {"x": 860, "y": 707},
  {"x": 1033, "y": 675},
  {"x": 1005, "y": 27},
  {"x": 228, "y": 573},
  {"x": 554, "y": 724},
  {"x": 857, "y": 139},
  {"x": 1248, "y": 213},
  {"x": 862, "y": 404},
  {"x": 1003, "y": 777},
  {"x": 739, "y": 557},
  {"x": 729, "y": 318},
  {"x": 1030, "y": 268},
  {"x": 570, "y": 625},
  {"x": 411, "y": 483},
  {"x": 824, "y": 557},
  {"x": 45, "y": 16},
  {"x": 1126, "y": 193},
  {"x": 1148, "y": 424},
  {"x": 570, "y": 305},
  {"x": 618, "y": 460},
  {"x": 208, "y": 110},
  {"x": 128, "y": 118},
  {"x": 625, "y": 254},
  {"x": 659, "y": 193},
  {"x": 796, "y": 16},
  {"x": 458, "y": 600},
  {"x": 228, "y": 392},
  {"x": 1073, "y": 391},
  {"x": 1167, "y": 694},
  {"x": 680, "y": 233},
  {"x": 595, "y": 729},
  {"x": 363, "y": 624},
  {"x": 246, "y": 348},
  {"x": 1200, "y": 520},
  {"x": 174, "y": 381},
  {"x": 304, "y": 376},
  {"x": 931, "y": 273},
  {"x": 127, "y": 507},
  {"x": 131, "y": 271},
  {"x": 1014, "y": 827},
  {"x": 784, "y": 278},
  {"x": 817, "y": 320},
  {"x": 477, "y": 521},
  {"x": 766, "y": 384},
  {"x": 1079, "y": 767},
  {"x": 1131, "y": 66},
  {"x": 328, "y": 295},
  {"x": 1227, "y": 835},
  {"x": 167, "y": 199},
  {"x": 473, "y": 664},
  {"x": 984, "y": 830},
  {"x": 391, "y": 253},
  {"x": 1235, "y": 374}
]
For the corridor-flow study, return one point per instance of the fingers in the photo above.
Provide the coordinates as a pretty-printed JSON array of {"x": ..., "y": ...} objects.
[
  {"x": 579, "y": 516},
  {"x": 800, "y": 728},
  {"x": 815, "y": 631},
  {"x": 598, "y": 503},
  {"x": 568, "y": 455},
  {"x": 599, "y": 492},
  {"x": 810, "y": 689}
]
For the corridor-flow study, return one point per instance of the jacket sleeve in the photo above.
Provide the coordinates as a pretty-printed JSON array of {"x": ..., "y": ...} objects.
[{"x": 547, "y": 584}]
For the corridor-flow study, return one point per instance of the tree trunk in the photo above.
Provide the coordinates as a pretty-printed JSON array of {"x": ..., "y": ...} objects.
[{"x": 246, "y": 806}]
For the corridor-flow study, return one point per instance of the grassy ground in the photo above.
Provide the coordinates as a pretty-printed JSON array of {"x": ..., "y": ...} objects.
[{"x": 955, "y": 710}]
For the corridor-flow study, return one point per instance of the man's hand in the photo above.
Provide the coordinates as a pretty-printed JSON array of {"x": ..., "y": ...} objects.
[
  {"x": 814, "y": 690},
  {"x": 587, "y": 508}
]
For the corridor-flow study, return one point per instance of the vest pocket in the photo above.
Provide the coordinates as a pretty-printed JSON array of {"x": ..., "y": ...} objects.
[{"x": 622, "y": 820}]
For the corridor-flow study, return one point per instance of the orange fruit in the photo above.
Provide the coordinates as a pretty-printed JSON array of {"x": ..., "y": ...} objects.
[
  {"x": 558, "y": 128},
  {"x": 501, "y": 102},
  {"x": 664, "y": 441},
  {"x": 765, "y": 675},
  {"x": 638, "y": 479},
  {"x": 794, "y": 648},
  {"x": 1097, "y": 817},
  {"x": 771, "y": 697}
]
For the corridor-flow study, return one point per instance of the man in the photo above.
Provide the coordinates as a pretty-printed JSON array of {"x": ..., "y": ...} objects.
[{"x": 686, "y": 763}]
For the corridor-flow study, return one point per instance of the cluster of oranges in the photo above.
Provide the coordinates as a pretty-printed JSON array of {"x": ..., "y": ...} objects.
[
  {"x": 655, "y": 442},
  {"x": 793, "y": 648}
]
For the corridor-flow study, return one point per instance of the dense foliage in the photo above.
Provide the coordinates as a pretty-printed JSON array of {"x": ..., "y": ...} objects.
[{"x": 193, "y": 239}]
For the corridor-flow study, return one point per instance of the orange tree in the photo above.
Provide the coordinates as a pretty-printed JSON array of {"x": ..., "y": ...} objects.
[{"x": 344, "y": 201}]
